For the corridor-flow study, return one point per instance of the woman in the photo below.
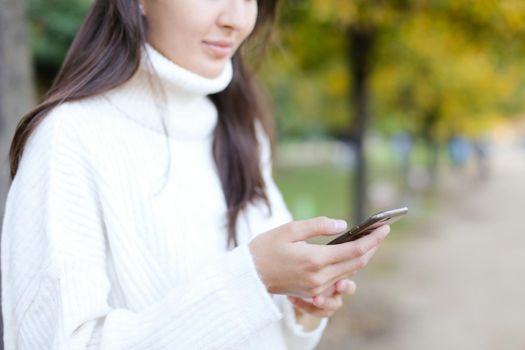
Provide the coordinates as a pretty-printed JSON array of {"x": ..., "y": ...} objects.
[{"x": 142, "y": 212}]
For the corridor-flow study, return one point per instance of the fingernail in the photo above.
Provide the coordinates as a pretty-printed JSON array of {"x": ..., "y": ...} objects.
[
  {"x": 340, "y": 225},
  {"x": 343, "y": 285},
  {"x": 351, "y": 286}
]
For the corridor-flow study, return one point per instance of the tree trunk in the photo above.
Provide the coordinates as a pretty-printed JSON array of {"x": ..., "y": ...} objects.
[
  {"x": 360, "y": 47},
  {"x": 16, "y": 90},
  {"x": 432, "y": 145}
]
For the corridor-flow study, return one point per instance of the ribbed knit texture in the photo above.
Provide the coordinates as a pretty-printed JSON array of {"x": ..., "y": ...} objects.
[{"x": 98, "y": 254}]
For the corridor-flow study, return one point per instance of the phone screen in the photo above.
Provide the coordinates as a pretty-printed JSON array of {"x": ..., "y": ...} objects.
[{"x": 370, "y": 224}]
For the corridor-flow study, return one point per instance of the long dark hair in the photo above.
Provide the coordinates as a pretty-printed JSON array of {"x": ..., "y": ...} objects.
[{"x": 106, "y": 52}]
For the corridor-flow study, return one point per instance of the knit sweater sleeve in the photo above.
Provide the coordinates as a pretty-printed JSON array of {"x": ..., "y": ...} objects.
[
  {"x": 295, "y": 336},
  {"x": 54, "y": 273}
]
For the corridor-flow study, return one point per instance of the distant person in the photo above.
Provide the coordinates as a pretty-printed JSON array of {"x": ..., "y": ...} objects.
[
  {"x": 458, "y": 147},
  {"x": 143, "y": 213},
  {"x": 480, "y": 148}
]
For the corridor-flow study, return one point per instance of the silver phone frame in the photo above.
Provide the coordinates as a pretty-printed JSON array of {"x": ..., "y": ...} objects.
[{"x": 364, "y": 228}]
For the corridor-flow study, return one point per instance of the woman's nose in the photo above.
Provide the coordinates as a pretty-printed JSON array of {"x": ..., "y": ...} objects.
[{"x": 235, "y": 14}]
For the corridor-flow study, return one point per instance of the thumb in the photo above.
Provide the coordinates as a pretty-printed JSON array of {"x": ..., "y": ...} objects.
[{"x": 319, "y": 226}]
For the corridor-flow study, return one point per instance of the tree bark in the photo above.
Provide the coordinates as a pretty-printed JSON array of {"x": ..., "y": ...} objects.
[
  {"x": 361, "y": 40},
  {"x": 432, "y": 144},
  {"x": 16, "y": 89}
]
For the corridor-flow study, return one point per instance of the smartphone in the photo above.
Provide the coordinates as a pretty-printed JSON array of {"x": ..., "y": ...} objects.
[{"x": 370, "y": 224}]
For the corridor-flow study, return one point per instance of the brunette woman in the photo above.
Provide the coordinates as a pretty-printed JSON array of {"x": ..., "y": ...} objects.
[{"x": 143, "y": 213}]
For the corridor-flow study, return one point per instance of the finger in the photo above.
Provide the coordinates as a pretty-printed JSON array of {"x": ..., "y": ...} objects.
[
  {"x": 346, "y": 251},
  {"x": 302, "y": 230},
  {"x": 345, "y": 286},
  {"x": 349, "y": 268},
  {"x": 304, "y": 306},
  {"x": 341, "y": 286},
  {"x": 328, "y": 303},
  {"x": 310, "y": 308},
  {"x": 351, "y": 287},
  {"x": 319, "y": 300},
  {"x": 331, "y": 290},
  {"x": 345, "y": 269}
]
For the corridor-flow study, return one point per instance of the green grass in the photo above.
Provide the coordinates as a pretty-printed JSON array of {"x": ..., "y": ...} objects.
[
  {"x": 327, "y": 190},
  {"x": 316, "y": 190}
]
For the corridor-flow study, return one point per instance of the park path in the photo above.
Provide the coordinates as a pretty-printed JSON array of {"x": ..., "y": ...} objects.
[{"x": 456, "y": 283}]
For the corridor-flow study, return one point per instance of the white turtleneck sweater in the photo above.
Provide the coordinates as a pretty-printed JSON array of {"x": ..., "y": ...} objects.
[{"x": 96, "y": 254}]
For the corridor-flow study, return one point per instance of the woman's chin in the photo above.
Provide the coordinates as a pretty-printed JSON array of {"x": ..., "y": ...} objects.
[{"x": 211, "y": 71}]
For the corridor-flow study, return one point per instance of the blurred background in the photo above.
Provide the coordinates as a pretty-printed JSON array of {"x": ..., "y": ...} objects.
[{"x": 378, "y": 104}]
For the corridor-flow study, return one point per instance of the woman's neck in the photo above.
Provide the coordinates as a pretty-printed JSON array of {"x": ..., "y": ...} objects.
[
  {"x": 162, "y": 89},
  {"x": 178, "y": 80}
]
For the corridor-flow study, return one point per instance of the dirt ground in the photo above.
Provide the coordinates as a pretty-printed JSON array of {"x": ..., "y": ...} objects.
[{"x": 457, "y": 281}]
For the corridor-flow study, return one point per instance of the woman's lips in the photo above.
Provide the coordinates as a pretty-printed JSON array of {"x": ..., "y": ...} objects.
[{"x": 219, "y": 49}]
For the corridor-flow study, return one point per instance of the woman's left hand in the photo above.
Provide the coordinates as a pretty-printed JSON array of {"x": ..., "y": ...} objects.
[{"x": 325, "y": 304}]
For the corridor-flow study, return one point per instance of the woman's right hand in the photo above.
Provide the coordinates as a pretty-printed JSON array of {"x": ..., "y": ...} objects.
[{"x": 287, "y": 264}]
